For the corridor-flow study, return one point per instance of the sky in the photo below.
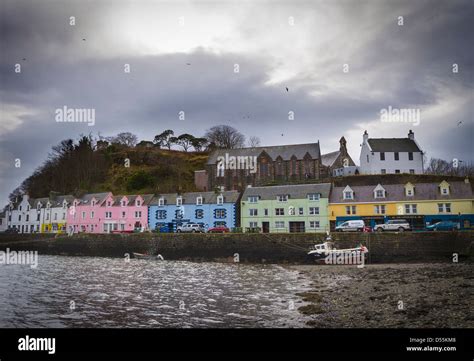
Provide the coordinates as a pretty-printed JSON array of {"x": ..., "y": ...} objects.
[{"x": 230, "y": 62}]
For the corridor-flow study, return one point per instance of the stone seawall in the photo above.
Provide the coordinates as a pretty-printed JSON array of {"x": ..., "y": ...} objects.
[{"x": 271, "y": 248}]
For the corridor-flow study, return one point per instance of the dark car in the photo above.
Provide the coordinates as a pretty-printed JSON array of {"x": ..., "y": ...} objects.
[
  {"x": 219, "y": 229},
  {"x": 443, "y": 226},
  {"x": 11, "y": 231}
]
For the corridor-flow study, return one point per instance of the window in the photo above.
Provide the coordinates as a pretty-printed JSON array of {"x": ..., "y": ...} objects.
[
  {"x": 253, "y": 224},
  {"x": 122, "y": 227},
  {"x": 92, "y": 214},
  {"x": 279, "y": 224},
  {"x": 348, "y": 195},
  {"x": 412, "y": 171},
  {"x": 38, "y": 217},
  {"x": 160, "y": 214},
  {"x": 383, "y": 171},
  {"x": 265, "y": 211},
  {"x": 108, "y": 215},
  {"x": 199, "y": 213},
  {"x": 279, "y": 211},
  {"x": 93, "y": 203},
  {"x": 410, "y": 209},
  {"x": 47, "y": 217},
  {"x": 444, "y": 207},
  {"x": 124, "y": 214},
  {"x": 138, "y": 203},
  {"x": 138, "y": 214},
  {"x": 301, "y": 211},
  {"x": 19, "y": 218},
  {"x": 410, "y": 155},
  {"x": 220, "y": 199},
  {"x": 313, "y": 224},
  {"x": 396, "y": 156},
  {"x": 351, "y": 210},
  {"x": 444, "y": 191},
  {"x": 123, "y": 203},
  {"x": 220, "y": 213},
  {"x": 83, "y": 215},
  {"x": 409, "y": 192},
  {"x": 161, "y": 202},
  {"x": 379, "y": 209},
  {"x": 314, "y": 196},
  {"x": 27, "y": 217},
  {"x": 199, "y": 201},
  {"x": 55, "y": 216},
  {"x": 367, "y": 158},
  {"x": 253, "y": 199},
  {"x": 313, "y": 211},
  {"x": 179, "y": 214},
  {"x": 64, "y": 216},
  {"x": 379, "y": 193},
  {"x": 179, "y": 201},
  {"x": 397, "y": 171},
  {"x": 109, "y": 203},
  {"x": 253, "y": 212},
  {"x": 382, "y": 155},
  {"x": 282, "y": 198}
]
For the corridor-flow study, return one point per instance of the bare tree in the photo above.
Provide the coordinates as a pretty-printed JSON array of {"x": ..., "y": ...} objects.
[
  {"x": 225, "y": 136},
  {"x": 456, "y": 167},
  {"x": 253, "y": 141}
]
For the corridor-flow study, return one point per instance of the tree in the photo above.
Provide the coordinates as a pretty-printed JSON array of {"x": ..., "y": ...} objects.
[
  {"x": 199, "y": 143},
  {"x": 456, "y": 167},
  {"x": 185, "y": 140},
  {"x": 165, "y": 139},
  {"x": 126, "y": 138},
  {"x": 254, "y": 141},
  {"x": 225, "y": 136}
]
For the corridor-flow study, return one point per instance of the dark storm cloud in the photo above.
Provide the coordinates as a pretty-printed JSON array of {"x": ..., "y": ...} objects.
[{"x": 389, "y": 65}]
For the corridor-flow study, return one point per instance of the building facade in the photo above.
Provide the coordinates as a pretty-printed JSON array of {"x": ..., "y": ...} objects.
[
  {"x": 168, "y": 211},
  {"x": 421, "y": 204},
  {"x": 289, "y": 208},
  {"x": 390, "y": 155}
]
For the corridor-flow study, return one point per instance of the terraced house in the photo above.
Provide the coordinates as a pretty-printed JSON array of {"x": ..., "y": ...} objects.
[
  {"x": 289, "y": 208},
  {"x": 420, "y": 204},
  {"x": 23, "y": 215},
  {"x": 210, "y": 209},
  {"x": 53, "y": 211}
]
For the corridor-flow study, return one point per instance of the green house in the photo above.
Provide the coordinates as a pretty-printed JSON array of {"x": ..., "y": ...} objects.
[{"x": 288, "y": 208}]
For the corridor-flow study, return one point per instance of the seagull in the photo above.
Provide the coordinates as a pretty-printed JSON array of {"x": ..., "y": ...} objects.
[
  {"x": 84, "y": 39},
  {"x": 188, "y": 63},
  {"x": 286, "y": 88},
  {"x": 282, "y": 134},
  {"x": 459, "y": 123},
  {"x": 24, "y": 59}
]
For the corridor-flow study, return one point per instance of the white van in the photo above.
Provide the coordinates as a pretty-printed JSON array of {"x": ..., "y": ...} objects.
[{"x": 356, "y": 225}]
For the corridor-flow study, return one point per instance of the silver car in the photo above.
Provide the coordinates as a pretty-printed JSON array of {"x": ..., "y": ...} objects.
[
  {"x": 190, "y": 228},
  {"x": 393, "y": 225}
]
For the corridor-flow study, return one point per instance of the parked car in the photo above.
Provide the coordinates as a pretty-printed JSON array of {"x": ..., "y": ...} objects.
[
  {"x": 443, "y": 226},
  {"x": 11, "y": 231},
  {"x": 218, "y": 229},
  {"x": 357, "y": 225},
  {"x": 394, "y": 225},
  {"x": 190, "y": 228}
]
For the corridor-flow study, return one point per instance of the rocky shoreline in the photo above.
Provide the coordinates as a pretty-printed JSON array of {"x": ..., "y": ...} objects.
[{"x": 426, "y": 295}]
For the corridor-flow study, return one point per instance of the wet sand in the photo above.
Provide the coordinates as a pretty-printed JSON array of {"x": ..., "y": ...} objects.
[{"x": 437, "y": 295}]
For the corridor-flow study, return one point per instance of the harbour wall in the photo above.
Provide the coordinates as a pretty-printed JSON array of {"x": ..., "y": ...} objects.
[{"x": 254, "y": 248}]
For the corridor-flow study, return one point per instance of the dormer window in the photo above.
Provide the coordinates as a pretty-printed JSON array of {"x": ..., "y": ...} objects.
[
  {"x": 93, "y": 203},
  {"x": 314, "y": 196},
  {"x": 179, "y": 201},
  {"x": 220, "y": 199},
  {"x": 379, "y": 192},
  {"x": 64, "y": 205},
  {"x": 138, "y": 203},
  {"x": 48, "y": 206},
  {"x": 109, "y": 203},
  {"x": 444, "y": 188},
  {"x": 253, "y": 199},
  {"x": 282, "y": 198},
  {"x": 38, "y": 207},
  {"x": 161, "y": 202},
  {"x": 123, "y": 202},
  {"x": 348, "y": 193},
  {"x": 199, "y": 201}
]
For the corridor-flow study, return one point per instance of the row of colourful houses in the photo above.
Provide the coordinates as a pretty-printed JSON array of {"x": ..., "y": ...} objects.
[{"x": 286, "y": 208}]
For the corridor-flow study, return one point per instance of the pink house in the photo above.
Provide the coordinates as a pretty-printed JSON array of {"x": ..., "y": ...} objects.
[{"x": 106, "y": 213}]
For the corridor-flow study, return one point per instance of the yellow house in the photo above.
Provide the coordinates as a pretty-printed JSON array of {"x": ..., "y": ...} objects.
[{"x": 420, "y": 204}]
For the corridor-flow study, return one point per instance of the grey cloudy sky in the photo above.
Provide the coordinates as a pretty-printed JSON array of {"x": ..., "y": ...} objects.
[{"x": 407, "y": 66}]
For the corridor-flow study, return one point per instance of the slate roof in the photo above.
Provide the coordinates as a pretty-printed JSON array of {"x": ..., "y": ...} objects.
[
  {"x": 190, "y": 197},
  {"x": 285, "y": 151},
  {"x": 393, "y": 145},
  {"x": 87, "y": 198},
  {"x": 329, "y": 158},
  {"x": 132, "y": 197},
  {"x": 296, "y": 191},
  {"x": 396, "y": 192}
]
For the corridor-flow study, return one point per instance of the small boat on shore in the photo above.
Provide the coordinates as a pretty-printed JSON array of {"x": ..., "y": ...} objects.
[
  {"x": 326, "y": 253},
  {"x": 158, "y": 257}
]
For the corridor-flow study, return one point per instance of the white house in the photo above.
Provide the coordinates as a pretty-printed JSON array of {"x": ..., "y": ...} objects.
[
  {"x": 3, "y": 221},
  {"x": 390, "y": 155},
  {"x": 23, "y": 216},
  {"x": 53, "y": 213}
]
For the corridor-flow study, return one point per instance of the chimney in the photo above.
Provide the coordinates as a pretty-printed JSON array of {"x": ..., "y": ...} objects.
[
  {"x": 366, "y": 137},
  {"x": 342, "y": 145},
  {"x": 411, "y": 135}
]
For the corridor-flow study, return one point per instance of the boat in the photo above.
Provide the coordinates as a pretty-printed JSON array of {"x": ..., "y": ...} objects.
[
  {"x": 326, "y": 253},
  {"x": 158, "y": 257}
]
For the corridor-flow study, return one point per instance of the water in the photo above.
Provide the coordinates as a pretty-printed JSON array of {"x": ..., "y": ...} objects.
[{"x": 107, "y": 292}]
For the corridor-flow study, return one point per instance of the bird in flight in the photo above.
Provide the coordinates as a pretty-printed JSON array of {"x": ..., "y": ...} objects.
[
  {"x": 286, "y": 88},
  {"x": 459, "y": 123}
]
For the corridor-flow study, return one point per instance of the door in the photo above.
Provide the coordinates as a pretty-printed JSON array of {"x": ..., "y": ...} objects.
[
  {"x": 265, "y": 227},
  {"x": 296, "y": 227}
]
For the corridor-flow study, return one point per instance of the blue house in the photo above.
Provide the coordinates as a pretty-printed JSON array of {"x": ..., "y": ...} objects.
[{"x": 167, "y": 211}]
